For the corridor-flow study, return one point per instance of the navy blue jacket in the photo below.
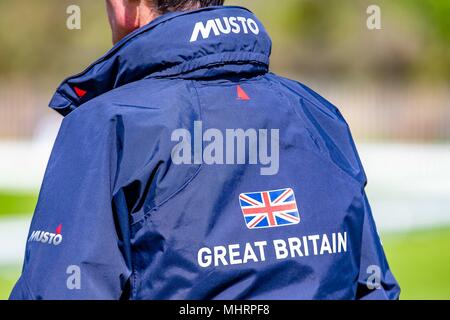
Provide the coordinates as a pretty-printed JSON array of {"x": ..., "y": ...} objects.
[{"x": 184, "y": 169}]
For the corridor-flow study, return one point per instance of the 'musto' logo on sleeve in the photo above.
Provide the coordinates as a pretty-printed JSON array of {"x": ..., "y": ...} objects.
[{"x": 46, "y": 237}]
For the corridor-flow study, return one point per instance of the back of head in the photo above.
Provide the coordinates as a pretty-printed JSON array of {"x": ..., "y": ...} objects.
[{"x": 125, "y": 16}]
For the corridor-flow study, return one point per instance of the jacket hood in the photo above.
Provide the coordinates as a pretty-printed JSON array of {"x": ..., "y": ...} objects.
[{"x": 195, "y": 44}]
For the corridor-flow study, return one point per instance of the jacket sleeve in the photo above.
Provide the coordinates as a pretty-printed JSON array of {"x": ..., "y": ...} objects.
[
  {"x": 77, "y": 245},
  {"x": 376, "y": 281}
]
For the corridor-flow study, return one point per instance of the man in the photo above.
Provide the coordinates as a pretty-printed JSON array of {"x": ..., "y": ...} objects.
[{"x": 185, "y": 170}]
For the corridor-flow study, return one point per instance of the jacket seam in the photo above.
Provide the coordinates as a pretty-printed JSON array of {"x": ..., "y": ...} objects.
[
  {"x": 199, "y": 103},
  {"x": 211, "y": 60},
  {"x": 148, "y": 213},
  {"x": 173, "y": 195},
  {"x": 28, "y": 289}
]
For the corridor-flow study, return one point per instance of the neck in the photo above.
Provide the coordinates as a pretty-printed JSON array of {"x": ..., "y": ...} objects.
[
  {"x": 146, "y": 13},
  {"x": 125, "y": 20}
]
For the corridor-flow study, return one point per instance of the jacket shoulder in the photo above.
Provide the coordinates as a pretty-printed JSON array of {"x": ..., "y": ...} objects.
[
  {"x": 326, "y": 124},
  {"x": 302, "y": 91}
]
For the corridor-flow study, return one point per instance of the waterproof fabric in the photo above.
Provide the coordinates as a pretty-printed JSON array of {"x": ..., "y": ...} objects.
[{"x": 118, "y": 218}]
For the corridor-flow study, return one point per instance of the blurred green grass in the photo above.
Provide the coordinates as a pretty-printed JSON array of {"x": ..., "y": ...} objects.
[
  {"x": 13, "y": 203},
  {"x": 8, "y": 277},
  {"x": 420, "y": 261}
]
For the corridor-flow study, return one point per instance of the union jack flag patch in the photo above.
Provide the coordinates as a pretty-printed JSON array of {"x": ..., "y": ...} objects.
[{"x": 269, "y": 209}]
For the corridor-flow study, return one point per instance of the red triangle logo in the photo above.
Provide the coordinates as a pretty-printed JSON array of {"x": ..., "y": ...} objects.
[
  {"x": 80, "y": 92},
  {"x": 59, "y": 229},
  {"x": 242, "y": 95}
]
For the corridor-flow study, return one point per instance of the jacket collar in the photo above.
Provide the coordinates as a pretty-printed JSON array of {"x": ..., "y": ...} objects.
[{"x": 195, "y": 44}]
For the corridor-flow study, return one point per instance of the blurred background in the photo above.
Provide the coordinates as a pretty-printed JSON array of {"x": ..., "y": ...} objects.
[{"x": 392, "y": 85}]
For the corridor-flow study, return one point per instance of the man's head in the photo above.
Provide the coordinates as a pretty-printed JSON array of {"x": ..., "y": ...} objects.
[{"x": 125, "y": 16}]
